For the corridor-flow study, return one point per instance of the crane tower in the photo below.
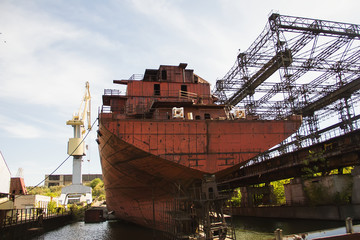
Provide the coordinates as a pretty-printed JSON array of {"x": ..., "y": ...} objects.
[{"x": 76, "y": 192}]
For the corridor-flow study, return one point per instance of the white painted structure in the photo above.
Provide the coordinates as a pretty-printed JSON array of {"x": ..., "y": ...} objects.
[
  {"x": 75, "y": 193},
  {"x": 33, "y": 201},
  {"x": 5, "y": 176}
]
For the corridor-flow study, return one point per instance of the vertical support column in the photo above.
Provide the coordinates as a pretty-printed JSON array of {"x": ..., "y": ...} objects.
[
  {"x": 246, "y": 198},
  {"x": 76, "y": 177},
  {"x": 278, "y": 234},
  {"x": 355, "y": 199},
  {"x": 349, "y": 225}
]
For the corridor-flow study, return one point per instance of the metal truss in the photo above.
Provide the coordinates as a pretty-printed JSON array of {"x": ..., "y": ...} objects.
[{"x": 299, "y": 66}]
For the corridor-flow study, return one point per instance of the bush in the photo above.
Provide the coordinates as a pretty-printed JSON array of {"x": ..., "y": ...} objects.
[
  {"x": 98, "y": 190},
  {"x": 53, "y": 191},
  {"x": 236, "y": 198},
  {"x": 52, "y": 207},
  {"x": 279, "y": 191}
]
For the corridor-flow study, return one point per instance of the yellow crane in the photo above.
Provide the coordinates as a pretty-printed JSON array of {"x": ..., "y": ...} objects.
[
  {"x": 85, "y": 108},
  {"x": 76, "y": 192},
  {"x": 76, "y": 146}
]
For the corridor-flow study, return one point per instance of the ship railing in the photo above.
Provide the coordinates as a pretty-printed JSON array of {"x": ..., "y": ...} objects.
[
  {"x": 187, "y": 95},
  {"x": 106, "y": 109},
  {"x": 131, "y": 109},
  {"x": 112, "y": 109},
  {"x": 177, "y": 95},
  {"x": 10, "y": 217},
  {"x": 146, "y": 107},
  {"x": 137, "y": 77},
  {"x": 112, "y": 92}
]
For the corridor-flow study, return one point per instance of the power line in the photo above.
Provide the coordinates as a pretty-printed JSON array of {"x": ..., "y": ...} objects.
[{"x": 87, "y": 133}]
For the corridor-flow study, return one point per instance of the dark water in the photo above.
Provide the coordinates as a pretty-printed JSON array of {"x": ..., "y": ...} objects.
[
  {"x": 254, "y": 228},
  {"x": 109, "y": 230},
  {"x": 247, "y": 228}
]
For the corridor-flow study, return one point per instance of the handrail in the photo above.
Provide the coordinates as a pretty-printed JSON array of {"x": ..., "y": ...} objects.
[
  {"x": 112, "y": 92},
  {"x": 10, "y": 217},
  {"x": 136, "y": 77},
  {"x": 187, "y": 95}
]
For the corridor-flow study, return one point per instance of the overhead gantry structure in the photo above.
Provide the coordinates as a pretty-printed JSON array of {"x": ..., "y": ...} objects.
[{"x": 299, "y": 66}]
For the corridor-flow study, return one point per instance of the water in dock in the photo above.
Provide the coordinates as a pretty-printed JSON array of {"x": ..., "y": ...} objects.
[
  {"x": 254, "y": 228},
  {"x": 249, "y": 228}
]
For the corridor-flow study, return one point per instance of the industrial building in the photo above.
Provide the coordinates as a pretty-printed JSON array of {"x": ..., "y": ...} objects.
[
  {"x": 66, "y": 179},
  {"x": 33, "y": 201}
]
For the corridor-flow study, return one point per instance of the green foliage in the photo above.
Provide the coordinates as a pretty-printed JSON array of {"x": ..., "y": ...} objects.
[
  {"x": 318, "y": 194},
  {"x": 97, "y": 185},
  {"x": 344, "y": 170},
  {"x": 236, "y": 198},
  {"x": 101, "y": 197},
  {"x": 348, "y": 170},
  {"x": 78, "y": 211},
  {"x": 98, "y": 190},
  {"x": 96, "y": 182},
  {"x": 315, "y": 165},
  {"x": 53, "y": 191},
  {"x": 279, "y": 191},
  {"x": 52, "y": 207}
]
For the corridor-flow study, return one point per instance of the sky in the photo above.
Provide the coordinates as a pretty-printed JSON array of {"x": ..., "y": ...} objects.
[{"x": 50, "y": 48}]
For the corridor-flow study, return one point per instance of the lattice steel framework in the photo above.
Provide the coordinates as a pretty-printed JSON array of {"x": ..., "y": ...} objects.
[{"x": 299, "y": 66}]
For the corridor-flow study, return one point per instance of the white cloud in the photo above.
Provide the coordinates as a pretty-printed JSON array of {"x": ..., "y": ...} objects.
[
  {"x": 19, "y": 129},
  {"x": 46, "y": 60},
  {"x": 194, "y": 35}
]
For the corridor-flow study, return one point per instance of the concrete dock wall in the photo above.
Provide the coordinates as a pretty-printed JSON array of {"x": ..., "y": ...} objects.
[{"x": 333, "y": 212}]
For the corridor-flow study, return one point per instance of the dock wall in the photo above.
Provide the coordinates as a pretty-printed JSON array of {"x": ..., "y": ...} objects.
[
  {"x": 331, "y": 212},
  {"x": 28, "y": 230}
]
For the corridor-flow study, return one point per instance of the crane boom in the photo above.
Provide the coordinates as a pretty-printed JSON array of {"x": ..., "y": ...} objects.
[
  {"x": 76, "y": 145},
  {"x": 85, "y": 109}
]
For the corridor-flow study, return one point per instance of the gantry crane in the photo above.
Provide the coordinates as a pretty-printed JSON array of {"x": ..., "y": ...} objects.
[
  {"x": 76, "y": 192},
  {"x": 303, "y": 66}
]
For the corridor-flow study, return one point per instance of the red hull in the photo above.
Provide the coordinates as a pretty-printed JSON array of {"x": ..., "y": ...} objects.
[
  {"x": 139, "y": 176},
  {"x": 139, "y": 184},
  {"x": 151, "y": 160}
]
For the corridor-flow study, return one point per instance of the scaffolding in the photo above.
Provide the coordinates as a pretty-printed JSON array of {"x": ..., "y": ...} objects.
[
  {"x": 303, "y": 66},
  {"x": 197, "y": 213}
]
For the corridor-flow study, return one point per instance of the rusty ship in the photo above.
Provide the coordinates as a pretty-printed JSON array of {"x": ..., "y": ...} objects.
[{"x": 164, "y": 143}]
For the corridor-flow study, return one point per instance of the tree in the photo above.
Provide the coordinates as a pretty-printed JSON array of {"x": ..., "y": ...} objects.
[
  {"x": 96, "y": 182},
  {"x": 53, "y": 191},
  {"x": 315, "y": 164},
  {"x": 236, "y": 198},
  {"x": 98, "y": 190},
  {"x": 279, "y": 191}
]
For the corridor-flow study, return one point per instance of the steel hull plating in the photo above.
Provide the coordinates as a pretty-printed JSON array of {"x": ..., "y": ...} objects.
[{"x": 143, "y": 161}]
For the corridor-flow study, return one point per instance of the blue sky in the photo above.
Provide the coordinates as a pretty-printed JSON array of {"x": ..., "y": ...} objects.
[{"x": 50, "y": 48}]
